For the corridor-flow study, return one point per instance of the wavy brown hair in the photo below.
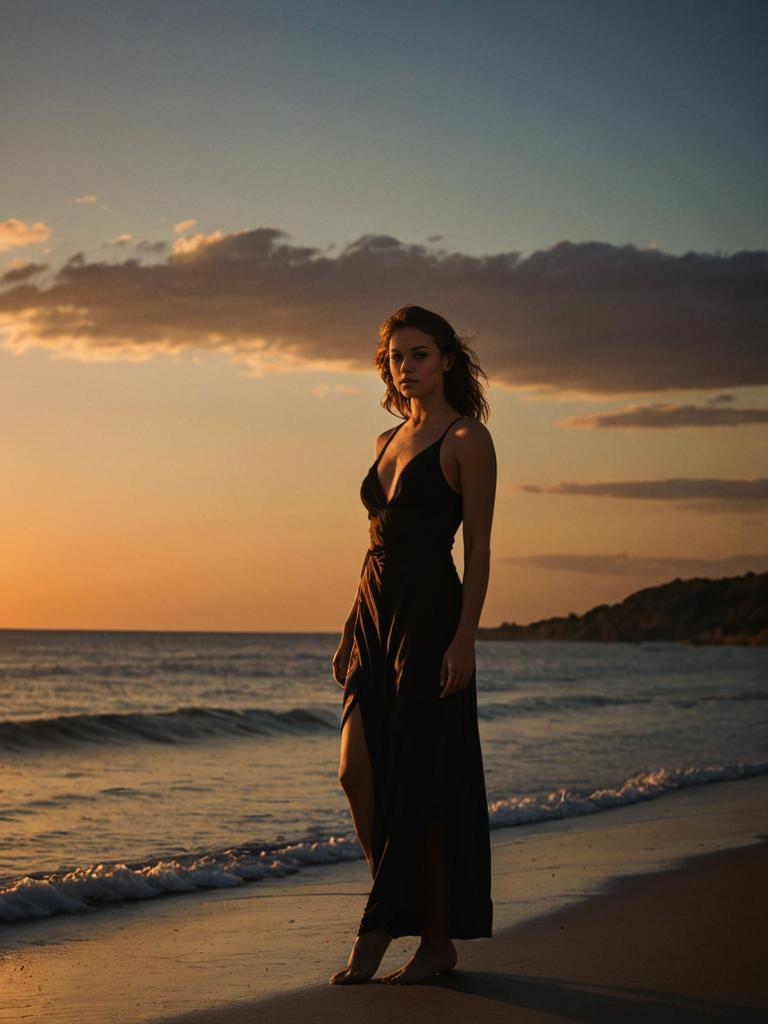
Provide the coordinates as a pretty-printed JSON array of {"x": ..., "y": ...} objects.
[{"x": 463, "y": 389}]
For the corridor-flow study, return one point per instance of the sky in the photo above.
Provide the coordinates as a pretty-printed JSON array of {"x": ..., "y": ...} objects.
[{"x": 209, "y": 209}]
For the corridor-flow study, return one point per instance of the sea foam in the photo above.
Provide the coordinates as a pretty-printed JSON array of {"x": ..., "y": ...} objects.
[{"x": 86, "y": 889}]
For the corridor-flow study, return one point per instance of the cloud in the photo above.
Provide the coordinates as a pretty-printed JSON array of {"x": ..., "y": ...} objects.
[
  {"x": 322, "y": 390},
  {"x": 22, "y": 272},
  {"x": 87, "y": 199},
  {"x": 184, "y": 225},
  {"x": 16, "y": 234},
  {"x": 708, "y": 494},
  {"x": 674, "y": 489},
  {"x": 579, "y": 318},
  {"x": 622, "y": 564},
  {"x": 196, "y": 244},
  {"x": 155, "y": 248},
  {"x": 670, "y": 417}
]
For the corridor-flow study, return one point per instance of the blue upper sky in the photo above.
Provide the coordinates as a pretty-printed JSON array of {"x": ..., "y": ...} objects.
[{"x": 497, "y": 126}]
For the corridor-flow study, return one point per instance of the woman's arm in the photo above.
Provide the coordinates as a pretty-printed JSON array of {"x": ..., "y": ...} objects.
[
  {"x": 340, "y": 662},
  {"x": 350, "y": 621},
  {"x": 476, "y": 460},
  {"x": 477, "y": 472}
]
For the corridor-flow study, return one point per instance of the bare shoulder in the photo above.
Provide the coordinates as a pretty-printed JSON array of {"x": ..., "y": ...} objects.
[
  {"x": 472, "y": 437},
  {"x": 475, "y": 460}
]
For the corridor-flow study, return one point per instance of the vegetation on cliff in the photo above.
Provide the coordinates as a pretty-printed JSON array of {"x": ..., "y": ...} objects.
[{"x": 731, "y": 610}]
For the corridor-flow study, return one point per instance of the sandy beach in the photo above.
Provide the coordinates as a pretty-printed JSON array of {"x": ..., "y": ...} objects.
[
  {"x": 683, "y": 945},
  {"x": 649, "y": 912}
]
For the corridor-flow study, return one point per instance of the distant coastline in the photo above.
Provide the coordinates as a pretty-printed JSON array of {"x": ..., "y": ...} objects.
[{"x": 731, "y": 610}]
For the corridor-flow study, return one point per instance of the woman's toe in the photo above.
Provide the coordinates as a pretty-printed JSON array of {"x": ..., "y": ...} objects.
[
  {"x": 351, "y": 976},
  {"x": 340, "y": 977}
]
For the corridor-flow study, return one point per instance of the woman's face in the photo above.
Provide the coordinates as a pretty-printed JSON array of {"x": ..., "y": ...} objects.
[{"x": 415, "y": 362}]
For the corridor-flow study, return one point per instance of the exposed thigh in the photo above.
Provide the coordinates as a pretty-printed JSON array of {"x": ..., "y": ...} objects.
[{"x": 353, "y": 760}]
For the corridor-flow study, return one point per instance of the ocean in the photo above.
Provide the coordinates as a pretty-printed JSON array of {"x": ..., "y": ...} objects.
[{"x": 138, "y": 764}]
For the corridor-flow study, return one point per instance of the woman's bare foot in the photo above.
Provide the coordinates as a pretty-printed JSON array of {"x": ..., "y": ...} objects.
[
  {"x": 367, "y": 952},
  {"x": 425, "y": 962}
]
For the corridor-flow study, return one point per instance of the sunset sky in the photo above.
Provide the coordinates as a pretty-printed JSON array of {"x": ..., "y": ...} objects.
[{"x": 207, "y": 212}]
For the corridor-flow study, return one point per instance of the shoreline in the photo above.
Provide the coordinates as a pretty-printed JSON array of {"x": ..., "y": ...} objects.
[{"x": 220, "y": 955}]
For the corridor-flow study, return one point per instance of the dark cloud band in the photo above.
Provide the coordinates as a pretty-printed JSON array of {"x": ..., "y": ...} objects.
[{"x": 584, "y": 318}]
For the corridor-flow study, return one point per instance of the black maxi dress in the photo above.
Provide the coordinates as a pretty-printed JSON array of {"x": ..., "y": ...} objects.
[{"x": 424, "y": 750}]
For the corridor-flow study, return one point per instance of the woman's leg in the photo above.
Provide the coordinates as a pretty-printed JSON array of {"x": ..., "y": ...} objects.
[{"x": 356, "y": 778}]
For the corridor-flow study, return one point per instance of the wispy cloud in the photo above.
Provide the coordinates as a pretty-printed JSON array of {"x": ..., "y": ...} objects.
[
  {"x": 322, "y": 390},
  {"x": 705, "y": 494},
  {"x": 16, "y": 234},
  {"x": 674, "y": 489},
  {"x": 154, "y": 248},
  {"x": 669, "y": 417},
  {"x": 22, "y": 272},
  {"x": 579, "y": 318},
  {"x": 623, "y": 564}
]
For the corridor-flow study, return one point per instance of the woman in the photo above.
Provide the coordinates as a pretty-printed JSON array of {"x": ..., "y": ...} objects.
[{"x": 411, "y": 763}]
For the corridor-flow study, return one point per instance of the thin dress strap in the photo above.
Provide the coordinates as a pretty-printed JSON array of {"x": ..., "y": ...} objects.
[{"x": 384, "y": 446}]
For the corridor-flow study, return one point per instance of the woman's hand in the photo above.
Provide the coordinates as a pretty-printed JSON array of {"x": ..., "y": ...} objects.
[
  {"x": 458, "y": 665},
  {"x": 341, "y": 657}
]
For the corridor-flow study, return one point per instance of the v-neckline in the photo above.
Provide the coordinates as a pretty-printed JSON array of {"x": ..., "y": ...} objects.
[{"x": 375, "y": 466}]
